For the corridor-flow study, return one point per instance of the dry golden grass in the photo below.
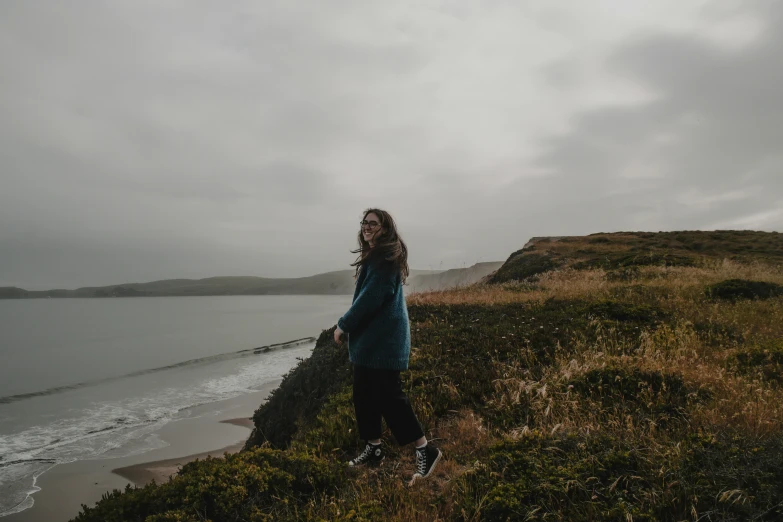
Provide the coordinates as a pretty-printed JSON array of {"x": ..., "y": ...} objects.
[
  {"x": 564, "y": 284},
  {"x": 670, "y": 282}
]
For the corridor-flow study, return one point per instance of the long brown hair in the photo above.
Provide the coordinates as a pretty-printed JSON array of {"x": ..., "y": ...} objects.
[{"x": 388, "y": 245}]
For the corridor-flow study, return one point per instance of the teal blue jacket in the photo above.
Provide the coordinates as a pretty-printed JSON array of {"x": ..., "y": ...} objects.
[{"x": 377, "y": 325}]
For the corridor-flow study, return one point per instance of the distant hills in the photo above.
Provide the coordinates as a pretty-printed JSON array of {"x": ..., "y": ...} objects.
[{"x": 340, "y": 282}]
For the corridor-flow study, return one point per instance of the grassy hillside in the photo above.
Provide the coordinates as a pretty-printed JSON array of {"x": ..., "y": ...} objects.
[
  {"x": 625, "y": 252},
  {"x": 340, "y": 282},
  {"x": 609, "y": 377}
]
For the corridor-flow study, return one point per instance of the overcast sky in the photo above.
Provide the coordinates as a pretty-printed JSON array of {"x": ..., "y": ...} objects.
[{"x": 150, "y": 139}]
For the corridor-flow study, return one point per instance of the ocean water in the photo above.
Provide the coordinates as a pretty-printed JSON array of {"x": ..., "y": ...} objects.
[{"x": 95, "y": 378}]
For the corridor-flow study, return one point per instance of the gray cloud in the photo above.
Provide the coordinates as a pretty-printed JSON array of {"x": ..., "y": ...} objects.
[
  {"x": 143, "y": 140},
  {"x": 704, "y": 151}
]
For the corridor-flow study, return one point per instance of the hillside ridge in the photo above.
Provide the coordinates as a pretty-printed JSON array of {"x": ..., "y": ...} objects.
[{"x": 340, "y": 282}]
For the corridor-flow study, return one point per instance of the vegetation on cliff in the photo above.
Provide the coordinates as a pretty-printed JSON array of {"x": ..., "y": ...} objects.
[{"x": 616, "y": 384}]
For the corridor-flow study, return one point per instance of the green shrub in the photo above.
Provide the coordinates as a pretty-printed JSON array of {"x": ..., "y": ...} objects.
[
  {"x": 734, "y": 289},
  {"x": 174, "y": 516},
  {"x": 560, "y": 478},
  {"x": 738, "y": 244},
  {"x": 524, "y": 266},
  {"x": 764, "y": 360},
  {"x": 624, "y": 312},
  {"x": 335, "y": 425},
  {"x": 259, "y": 484},
  {"x": 732, "y": 476},
  {"x": 643, "y": 395},
  {"x": 302, "y": 393},
  {"x": 604, "y": 477},
  {"x": 619, "y": 260}
]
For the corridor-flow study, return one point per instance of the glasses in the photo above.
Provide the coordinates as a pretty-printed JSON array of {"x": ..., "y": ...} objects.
[{"x": 370, "y": 224}]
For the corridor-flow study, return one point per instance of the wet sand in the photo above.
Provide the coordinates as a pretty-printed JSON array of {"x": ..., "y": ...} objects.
[{"x": 161, "y": 470}]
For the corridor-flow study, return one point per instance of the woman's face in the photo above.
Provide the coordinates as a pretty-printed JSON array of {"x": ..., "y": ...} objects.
[{"x": 372, "y": 228}]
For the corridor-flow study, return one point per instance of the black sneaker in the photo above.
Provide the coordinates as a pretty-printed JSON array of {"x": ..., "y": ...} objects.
[
  {"x": 426, "y": 458},
  {"x": 372, "y": 454}
]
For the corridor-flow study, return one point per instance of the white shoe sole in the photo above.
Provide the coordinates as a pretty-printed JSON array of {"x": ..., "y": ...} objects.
[{"x": 352, "y": 465}]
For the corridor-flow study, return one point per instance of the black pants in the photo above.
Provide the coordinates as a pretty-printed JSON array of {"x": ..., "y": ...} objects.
[{"x": 379, "y": 393}]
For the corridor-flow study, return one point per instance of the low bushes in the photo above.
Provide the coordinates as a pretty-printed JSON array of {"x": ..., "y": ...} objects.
[
  {"x": 302, "y": 393},
  {"x": 566, "y": 477},
  {"x": 257, "y": 485},
  {"x": 734, "y": 289},
  {"x": 625, "y": 259},
  {"x": 765, "y": 361},
  {"x": 602, "y": 477},
  {"x": 644, "y": 395},
  {"x": 525, "y": 265}
]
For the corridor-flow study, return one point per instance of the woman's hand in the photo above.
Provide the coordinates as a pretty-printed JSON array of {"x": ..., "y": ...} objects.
[{"x": 338, "y": 334}]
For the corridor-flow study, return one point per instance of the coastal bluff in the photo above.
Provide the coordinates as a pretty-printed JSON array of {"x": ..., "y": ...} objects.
[{"x": 615, "y": 376}]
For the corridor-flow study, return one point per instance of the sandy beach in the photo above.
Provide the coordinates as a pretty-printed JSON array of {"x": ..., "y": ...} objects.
[
  {"x": 212, "y": 429},
  {"x": 161, "y": 470}
]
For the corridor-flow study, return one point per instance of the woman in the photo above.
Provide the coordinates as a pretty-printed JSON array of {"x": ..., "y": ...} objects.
[{"x": 378, "y": 333}]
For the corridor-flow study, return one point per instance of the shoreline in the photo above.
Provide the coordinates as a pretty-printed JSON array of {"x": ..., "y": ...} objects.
[
  {"x": 160, "y": 470},
  {"x": 213, "y": 429}
]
